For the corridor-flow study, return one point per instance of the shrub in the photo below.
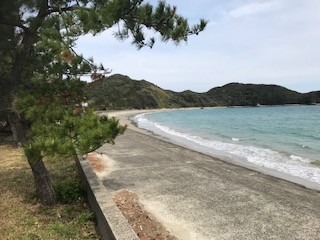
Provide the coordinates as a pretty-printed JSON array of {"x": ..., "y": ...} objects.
[{"x": 69, "y": 191}]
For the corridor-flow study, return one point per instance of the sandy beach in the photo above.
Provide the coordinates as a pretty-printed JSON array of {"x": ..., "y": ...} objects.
[
  {"x": 197, "y": 196},
  {"x": 124, "y": 115}
]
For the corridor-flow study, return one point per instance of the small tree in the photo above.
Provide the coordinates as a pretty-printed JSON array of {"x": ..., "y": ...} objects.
[{"x": 41, "y": 71}]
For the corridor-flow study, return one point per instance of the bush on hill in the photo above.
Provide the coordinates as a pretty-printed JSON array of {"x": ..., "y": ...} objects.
[{"x": 121, "y": 92}]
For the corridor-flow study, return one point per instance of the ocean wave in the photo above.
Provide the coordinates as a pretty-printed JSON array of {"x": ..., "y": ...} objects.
[
  {"x": 264, "y": 157},
  {"x": 300, "y": 159}
]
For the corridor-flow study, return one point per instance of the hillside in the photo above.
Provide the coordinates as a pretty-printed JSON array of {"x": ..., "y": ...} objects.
[
  {"x": 121, "y": 92},
  {"x": 237, "y": 94}
]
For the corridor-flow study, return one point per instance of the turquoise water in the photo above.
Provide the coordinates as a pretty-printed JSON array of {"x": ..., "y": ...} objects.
[{"x": 285, "y": 138}]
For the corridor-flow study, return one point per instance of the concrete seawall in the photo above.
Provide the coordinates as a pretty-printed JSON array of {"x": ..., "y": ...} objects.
[
  {"x": 196, "y": 196},
  {"x": 111, "y": 223}
]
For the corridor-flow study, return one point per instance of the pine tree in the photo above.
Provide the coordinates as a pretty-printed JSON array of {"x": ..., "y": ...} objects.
[{"x": 40, "y": 71}]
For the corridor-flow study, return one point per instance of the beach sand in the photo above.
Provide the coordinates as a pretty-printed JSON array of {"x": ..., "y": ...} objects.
[{"x": 196, "y": 196}]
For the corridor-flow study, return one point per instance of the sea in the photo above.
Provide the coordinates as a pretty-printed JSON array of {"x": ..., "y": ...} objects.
[{"x": 285, "y": 139}]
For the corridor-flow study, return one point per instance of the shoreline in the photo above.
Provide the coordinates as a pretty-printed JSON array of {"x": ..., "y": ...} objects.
[
  {"x": 124, "y": 118},
  {"x": 196, "y": 196}
]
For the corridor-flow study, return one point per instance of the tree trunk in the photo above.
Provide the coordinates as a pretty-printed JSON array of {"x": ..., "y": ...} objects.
[
  {"x": 18, "y": 125},
  {"x": 17, "y": 128},
  {"x": 44, "y": 188}
]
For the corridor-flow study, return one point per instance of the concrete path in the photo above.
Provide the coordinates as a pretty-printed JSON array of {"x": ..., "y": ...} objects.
[{"x": 199, "y": 197}]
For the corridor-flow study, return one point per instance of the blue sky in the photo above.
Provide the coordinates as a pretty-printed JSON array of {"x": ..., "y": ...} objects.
[{"x": 246, "y": 41}]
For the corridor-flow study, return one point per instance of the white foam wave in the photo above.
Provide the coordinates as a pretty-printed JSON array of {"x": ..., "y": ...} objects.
[
  {"x": 300, "y": 159},
  {"x": 293, "y": 165}
]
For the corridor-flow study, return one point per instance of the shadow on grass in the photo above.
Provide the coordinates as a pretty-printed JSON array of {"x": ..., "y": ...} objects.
[{"x": 24, "y": 218}]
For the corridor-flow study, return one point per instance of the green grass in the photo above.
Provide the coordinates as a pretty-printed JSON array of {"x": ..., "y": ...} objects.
[{"x": 22, "y": 217}]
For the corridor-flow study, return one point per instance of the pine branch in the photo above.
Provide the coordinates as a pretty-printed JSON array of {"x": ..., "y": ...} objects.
[
  {"x": 74, "y": 7},
  {"x": 133, "y": 7},
  {"x": 14, "y": 24}
]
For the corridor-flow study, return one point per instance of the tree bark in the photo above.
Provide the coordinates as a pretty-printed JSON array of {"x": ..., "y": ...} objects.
[
  {"x": 44, "y": 188},
  {"x": 17, "y": 128}
]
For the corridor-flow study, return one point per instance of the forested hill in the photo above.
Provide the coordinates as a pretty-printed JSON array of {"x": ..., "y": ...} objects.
[{"x": 121, "y": 92}]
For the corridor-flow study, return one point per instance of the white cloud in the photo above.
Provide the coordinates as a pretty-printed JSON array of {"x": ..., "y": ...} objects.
[
  {"x": 277, "y": 44},
  {"x": 253, "y": 8}
]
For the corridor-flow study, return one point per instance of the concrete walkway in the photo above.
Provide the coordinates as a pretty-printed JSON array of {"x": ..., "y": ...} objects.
[{"x": 199, "y": 197}]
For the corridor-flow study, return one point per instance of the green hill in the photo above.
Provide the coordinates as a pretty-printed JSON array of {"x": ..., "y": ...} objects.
[
  {"x": 121, "y": 92},
  {"x": 237, "y": 94}
]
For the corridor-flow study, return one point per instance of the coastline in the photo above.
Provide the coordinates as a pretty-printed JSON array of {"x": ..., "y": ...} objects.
[
  {"x": 196, "y": 196},
  {"x": 124, "y": 118}
]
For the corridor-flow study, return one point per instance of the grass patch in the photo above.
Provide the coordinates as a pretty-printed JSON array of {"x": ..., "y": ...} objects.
[
  {"x": 69, "y": 191},
  {"x": 22, "y": 217}
]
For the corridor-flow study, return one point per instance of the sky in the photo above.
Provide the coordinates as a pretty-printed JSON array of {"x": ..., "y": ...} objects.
[{"x": 246, "y": 41}]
